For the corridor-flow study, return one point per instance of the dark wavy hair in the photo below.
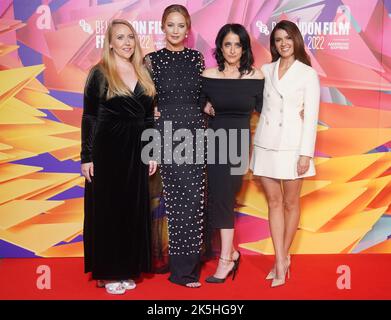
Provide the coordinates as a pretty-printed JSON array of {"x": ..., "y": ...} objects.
[
  {"x": 247, "y": 58},
  {"x": 298, "y": 43}
]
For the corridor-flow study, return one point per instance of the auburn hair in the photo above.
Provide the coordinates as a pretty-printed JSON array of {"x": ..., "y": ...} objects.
[{"x": 298, "y": 43}]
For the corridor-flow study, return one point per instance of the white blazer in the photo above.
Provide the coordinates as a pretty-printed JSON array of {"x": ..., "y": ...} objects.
[{"x": 280, "y": 126}]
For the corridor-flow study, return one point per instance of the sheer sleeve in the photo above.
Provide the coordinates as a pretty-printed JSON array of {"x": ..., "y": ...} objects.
[
  {"x": 203, "y": 99},
  {"x": 203, "y": 96},
  {"x": 148, "y": 65},
  {"x": 259, "y": 98},
  {"x": 201, "y": 62},
  {"x": 93, "y": 94}
]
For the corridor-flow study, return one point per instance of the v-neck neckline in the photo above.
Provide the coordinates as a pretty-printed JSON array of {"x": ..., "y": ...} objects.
[
  {"x": 134, "y": 89},
  {"x": 286, "y": 72}
]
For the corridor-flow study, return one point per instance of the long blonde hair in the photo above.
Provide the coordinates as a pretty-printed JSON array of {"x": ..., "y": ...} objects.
[{"x": 115, "y": 84}]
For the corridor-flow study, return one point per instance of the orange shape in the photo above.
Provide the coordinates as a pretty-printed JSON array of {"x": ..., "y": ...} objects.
[
  {"x": 342, "y": 169},
  {"x": 338, "y": 116},
  {"x": 338, "y": 142}
]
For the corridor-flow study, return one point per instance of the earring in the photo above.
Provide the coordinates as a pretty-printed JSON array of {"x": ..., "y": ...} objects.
[{"x": 186, "y": 35}]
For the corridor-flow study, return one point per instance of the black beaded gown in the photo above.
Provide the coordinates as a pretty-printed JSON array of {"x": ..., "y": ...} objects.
[
  {"x": 177, "y": 80},
  {"x": 233, "y": 100},
  {"x": 117, "y": 219}
]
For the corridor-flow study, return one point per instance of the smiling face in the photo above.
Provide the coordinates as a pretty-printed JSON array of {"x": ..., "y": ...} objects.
[
  {"x": 232, "y": 49},
  {"x": 175, "y": 28},
  {"x": 284, "y": 44},
  {"x": 122, "y": 41}
]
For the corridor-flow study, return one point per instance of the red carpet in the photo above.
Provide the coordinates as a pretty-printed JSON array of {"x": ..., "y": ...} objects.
[{"x": 312, "y": 277}]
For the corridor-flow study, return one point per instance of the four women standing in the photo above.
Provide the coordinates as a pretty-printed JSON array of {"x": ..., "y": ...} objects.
[{"x": 118, "y": 106}]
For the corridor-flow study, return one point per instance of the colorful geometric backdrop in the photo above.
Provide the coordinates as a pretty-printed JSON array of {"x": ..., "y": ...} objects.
[{"x": 47, "y": 48}]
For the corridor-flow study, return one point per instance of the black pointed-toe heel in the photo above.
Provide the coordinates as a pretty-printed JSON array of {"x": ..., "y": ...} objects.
[
  {"x": 236, "y": 266},
  {"x": 213, "y": 279},
  {"x": 238, "y": 258}
]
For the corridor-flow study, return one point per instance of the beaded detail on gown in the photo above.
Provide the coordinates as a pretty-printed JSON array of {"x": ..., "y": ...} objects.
[{"x": 176, "y": 75}]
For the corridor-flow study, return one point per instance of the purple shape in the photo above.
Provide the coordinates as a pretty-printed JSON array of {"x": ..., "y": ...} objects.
[
  {"x": 30, "y": 57},
  {"x": 329, "y": 11},
  {"x": 9, "y": 250},
  {"x": 77, "y": 239},
  {"x": 387, "y": 4},
  {"x": 23, "y": 9},
  {"x": 379, "y": 149},
  {"x": 103, "y": 2},
  {"x": 49, "y": 115},
  {"x": 56, "y": 4},
  {"x": 74, "y": 192},
  {"x": 70, "y": 98},
  {"x": 160, "y": 211},
  {"x": 51, "y": 164}
]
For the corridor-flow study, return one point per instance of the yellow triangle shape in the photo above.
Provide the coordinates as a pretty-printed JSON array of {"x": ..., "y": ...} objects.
[
  {"x": 14, "y": 80},
  {"x": 342, "y": 169}
]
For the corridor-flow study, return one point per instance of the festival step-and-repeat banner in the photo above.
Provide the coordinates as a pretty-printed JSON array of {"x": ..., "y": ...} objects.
[{"x": 47, "y": 48}]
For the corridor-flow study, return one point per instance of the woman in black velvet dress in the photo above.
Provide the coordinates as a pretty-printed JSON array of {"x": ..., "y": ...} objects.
[
  {"x": 234, "y": 89},
  {"x": 118, "y": 106},
  {"x": 176, "y": 72}
]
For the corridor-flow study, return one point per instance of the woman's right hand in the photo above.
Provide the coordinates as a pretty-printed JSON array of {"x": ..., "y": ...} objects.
[
  {"x": 87, "y": 170},
  {"x": 156, "y": 113}
]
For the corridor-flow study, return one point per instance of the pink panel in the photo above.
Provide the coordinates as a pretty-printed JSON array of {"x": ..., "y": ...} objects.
[
  {"x": 361, "y": 10},
  {"x": 215, "y": 21}
]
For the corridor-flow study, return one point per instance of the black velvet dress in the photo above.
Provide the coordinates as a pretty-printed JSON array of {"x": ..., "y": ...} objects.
[
  {"x": 117, "y": 220},
  {"x": 177, "y": 80},
  {"x": 233, "y": 100}
]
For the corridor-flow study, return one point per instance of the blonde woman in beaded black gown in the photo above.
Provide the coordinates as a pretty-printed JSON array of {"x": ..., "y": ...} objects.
[{"x": 176, "y": 73}]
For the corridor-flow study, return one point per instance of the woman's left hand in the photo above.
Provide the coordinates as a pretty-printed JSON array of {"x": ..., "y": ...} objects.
[
  {"x": 208, "y": 109},
  {"x": 302, "y": 114},
  {"x": 303, "y": 165},
  {"x": 152, "y": 167}
]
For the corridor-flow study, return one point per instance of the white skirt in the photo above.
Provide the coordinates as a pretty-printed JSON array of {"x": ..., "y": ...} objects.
[{"x": 277, "y": 164}]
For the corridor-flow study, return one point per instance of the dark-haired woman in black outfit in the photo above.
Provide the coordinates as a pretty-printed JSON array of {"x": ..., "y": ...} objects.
[{"x": 235, "y": 89}]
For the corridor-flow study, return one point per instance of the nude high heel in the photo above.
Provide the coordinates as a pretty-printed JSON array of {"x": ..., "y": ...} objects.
[
  {"x": 279, "y": 282},
  {"x": 272, "y": 274}
]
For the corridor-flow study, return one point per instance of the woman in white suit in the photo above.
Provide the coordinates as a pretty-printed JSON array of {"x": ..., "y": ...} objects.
[{"x": 284, "y": 141}]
